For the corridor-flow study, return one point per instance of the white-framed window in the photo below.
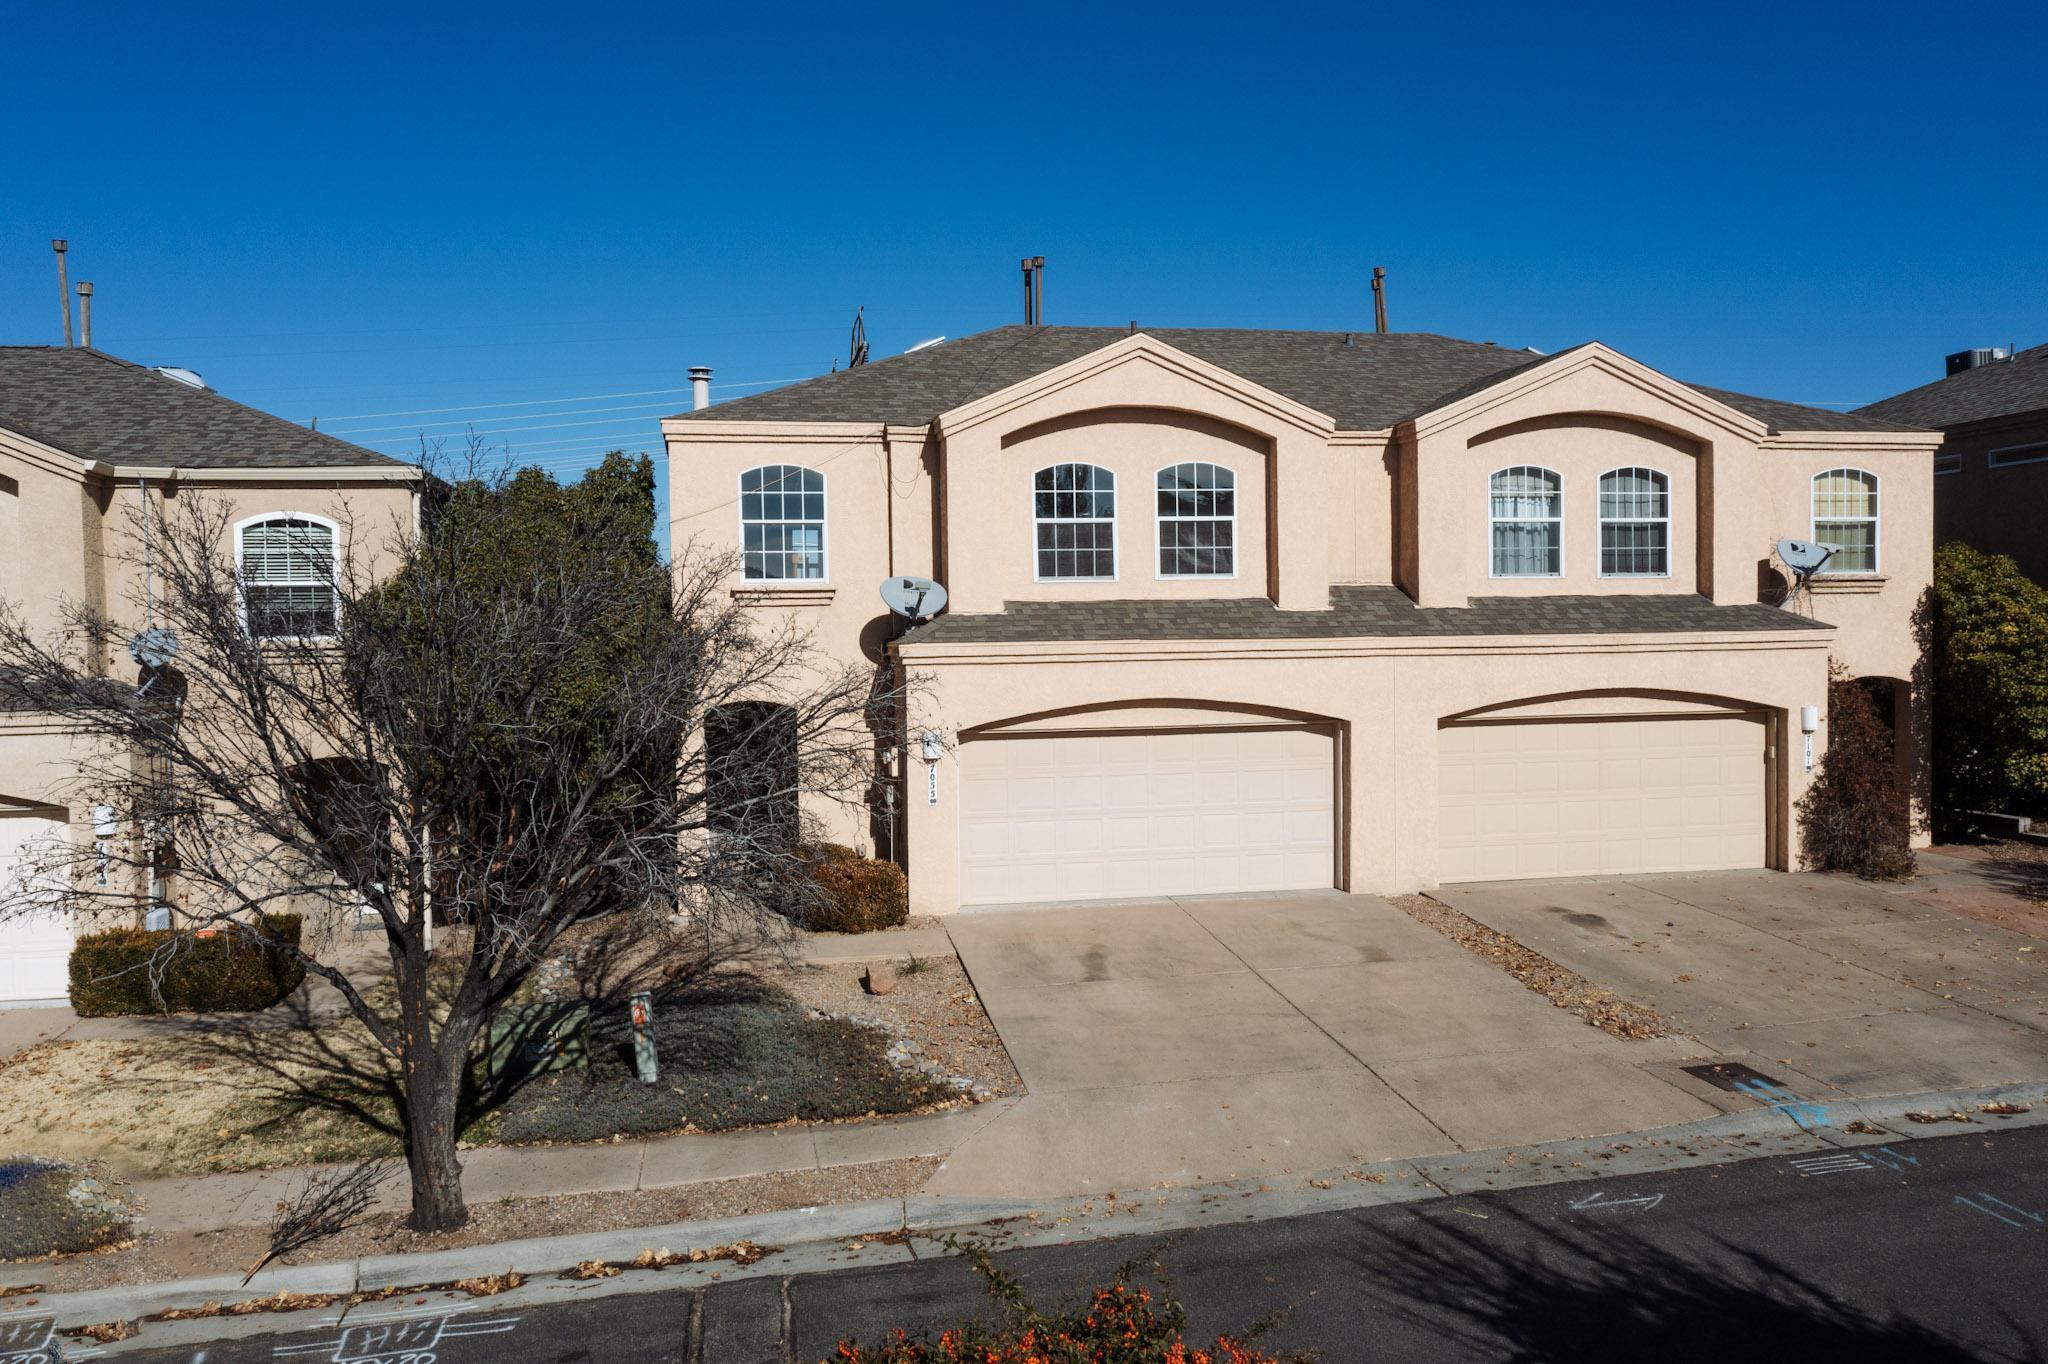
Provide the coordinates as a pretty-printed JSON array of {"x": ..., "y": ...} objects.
[
  {"x": 2013, "y": 454},
  {"x": 1635, "y": 524},
  {"x": 1845, "y": 515},
  {"x": 285, "y": 565},
  {"x": 1073, "y": 513},
  {"x": 1525, "y": 512},
  {"x": 782, "y": 524},
  {"x": 1197, "y": 521}
]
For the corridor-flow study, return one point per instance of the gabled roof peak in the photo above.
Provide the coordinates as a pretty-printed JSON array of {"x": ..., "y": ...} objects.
[{"x": 1363, "y": 380}]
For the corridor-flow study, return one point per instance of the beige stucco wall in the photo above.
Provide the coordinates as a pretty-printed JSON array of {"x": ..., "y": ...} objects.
[
  {"x": 1389, "y": 698},
  {"x": 1133, "y": 444},
  {"x": 69, "y": 532},
  {"x": 1407, "y": 506}
]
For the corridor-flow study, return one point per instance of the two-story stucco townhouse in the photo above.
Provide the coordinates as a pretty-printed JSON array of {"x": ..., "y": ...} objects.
[
  {"x": 1259, "y": 610},
  {"x": 87, "y": 441}
]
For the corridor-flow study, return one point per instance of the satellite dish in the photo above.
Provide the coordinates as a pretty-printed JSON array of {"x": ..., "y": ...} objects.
[
  {"x": 915, "y": 599},
  {"x": 1803, "y": 556},
  {"x": 153, "y": 647},
  {"x": 189, "y": 378}
]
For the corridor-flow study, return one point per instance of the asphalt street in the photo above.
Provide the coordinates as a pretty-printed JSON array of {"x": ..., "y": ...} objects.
[{"x": 1930, "y": 1250}]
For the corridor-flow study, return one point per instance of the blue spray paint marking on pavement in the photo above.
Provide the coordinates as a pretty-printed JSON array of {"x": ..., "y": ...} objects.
[
  {"x": 2012, "y": 1216},
  {"x": 1897, "y": 1160},
  {"x": 1808, "y": 1116}
]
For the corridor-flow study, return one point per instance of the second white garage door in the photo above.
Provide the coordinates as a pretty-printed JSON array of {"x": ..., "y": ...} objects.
[
  {"x": 1121, "y": 815},
  {"x": 1600, "y": 797}
]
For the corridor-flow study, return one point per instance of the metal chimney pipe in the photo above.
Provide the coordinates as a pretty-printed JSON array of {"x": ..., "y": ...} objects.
[
  {"x": 1038, "y": 288},
  {"x": 85, "y": 312},
  {"x": 1379, "y": 299},
  {"x": 1030, "y": 303},
  {"x": 60, "y": 246},
  {"x": 700, "y": 387}
]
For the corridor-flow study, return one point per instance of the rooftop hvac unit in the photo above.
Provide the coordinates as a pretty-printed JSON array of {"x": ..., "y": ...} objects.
[{"x": 1976, "y": 356}]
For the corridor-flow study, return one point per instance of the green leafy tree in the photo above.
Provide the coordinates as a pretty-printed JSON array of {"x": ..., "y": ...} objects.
[{"x": 1985, "y": 627}]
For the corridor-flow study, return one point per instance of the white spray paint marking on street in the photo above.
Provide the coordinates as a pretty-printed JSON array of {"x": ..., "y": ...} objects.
[
  {"x": 1848, "y": 1162},
  {"x": 31, "y": 1338},
  {"x": 1992, "y": 1206},
  {"x": 400, "y": 1338},
  {"x": 1600, "y": 1201}
]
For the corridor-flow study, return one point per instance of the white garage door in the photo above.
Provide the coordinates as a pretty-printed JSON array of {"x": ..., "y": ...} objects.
[
  {"x": 1117, "y": 815},
  {"x": 1597, "y": 797},
  {"x": 35, "y": 948}
]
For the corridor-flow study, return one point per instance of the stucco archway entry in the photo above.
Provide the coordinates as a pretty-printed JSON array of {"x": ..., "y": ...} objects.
[
  {"x": 1122, "y": 804},
  {"x": 1603, "y": 786},
  {"x": 35, "y": 943}
]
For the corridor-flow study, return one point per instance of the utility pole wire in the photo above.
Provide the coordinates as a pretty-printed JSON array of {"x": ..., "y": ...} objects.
[{"x": 542, "y": 402}]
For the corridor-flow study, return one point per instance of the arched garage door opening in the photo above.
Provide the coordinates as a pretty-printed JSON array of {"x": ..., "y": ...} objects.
[
  {"x": 35, "y": 940},
  {"x": 1567, "y": 791},
  {"x": 1123, "y": 805}
]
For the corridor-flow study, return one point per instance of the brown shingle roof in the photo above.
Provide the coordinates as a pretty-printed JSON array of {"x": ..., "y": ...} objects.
[
  {"x": 2003, "y": 388},
  {"x": 1356, "y": 612},
  {"x": 1365, "y": 381},
  {"x": 99, "y": 407}
]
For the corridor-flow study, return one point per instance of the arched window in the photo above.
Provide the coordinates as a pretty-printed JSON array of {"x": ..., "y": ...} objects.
[
  {"x": 782, "y": 524},
  {"x": 1635, "y": 524},
  {"x": 1197, "y": 521},
  {"x": 1526, "y": 509},
  {"x": 1073, "y": 510},
  {"x": 286, "y": 566},
  {"x": 1845, "y": 515}
]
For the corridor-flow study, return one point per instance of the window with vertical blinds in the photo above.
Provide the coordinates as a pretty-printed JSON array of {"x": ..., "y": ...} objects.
[
  {"x": 287, "y": 571},
  {"x": 1635, "y": 524},
  {"x": 1526, "y": 514},
  {"x": 1845, "y": 516}
]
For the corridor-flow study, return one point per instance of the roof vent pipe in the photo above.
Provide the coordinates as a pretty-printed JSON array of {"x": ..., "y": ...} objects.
[
  {"x": 60, "y": 246},
  {"x": 85, "y": 312},
  {"x": 1034, "y": 290},
  {"x": 1379, "y": 299},
  {"x": 700, "y": 387}
]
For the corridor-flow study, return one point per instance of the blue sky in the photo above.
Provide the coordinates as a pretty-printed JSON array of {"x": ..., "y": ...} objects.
[{"x": 350, "y": 211}]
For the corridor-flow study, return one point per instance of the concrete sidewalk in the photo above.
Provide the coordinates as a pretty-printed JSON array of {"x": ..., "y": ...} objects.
[{"x": 210, "y": 1202}]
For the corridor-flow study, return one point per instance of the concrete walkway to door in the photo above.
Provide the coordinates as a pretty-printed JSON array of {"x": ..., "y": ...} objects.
[{"x": 1180, "y": 1041}]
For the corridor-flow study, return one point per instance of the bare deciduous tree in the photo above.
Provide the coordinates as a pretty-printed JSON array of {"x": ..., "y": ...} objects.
[{"x": 502, "y": 745}]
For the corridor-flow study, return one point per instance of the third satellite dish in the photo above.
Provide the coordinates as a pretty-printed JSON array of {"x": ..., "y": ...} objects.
[{"x": 915, "y": 599}]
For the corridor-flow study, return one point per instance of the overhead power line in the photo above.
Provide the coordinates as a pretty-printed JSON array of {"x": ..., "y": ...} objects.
[{"x": 543, "y": 402}]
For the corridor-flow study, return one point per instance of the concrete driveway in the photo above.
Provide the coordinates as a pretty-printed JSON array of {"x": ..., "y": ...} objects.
[
  {"x": 1188, "y": 1040},
  {"x": 1862, "y": 989}
]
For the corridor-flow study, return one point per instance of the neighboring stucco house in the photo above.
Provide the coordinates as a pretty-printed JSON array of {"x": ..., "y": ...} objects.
[
  {"x": 1257, "y": 610},
  {"x": 1991, "y": 485},
  {"x": 87, "y": 441}
]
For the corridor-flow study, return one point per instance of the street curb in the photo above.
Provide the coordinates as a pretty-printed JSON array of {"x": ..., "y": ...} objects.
[{"x": 821, "y": 1239}]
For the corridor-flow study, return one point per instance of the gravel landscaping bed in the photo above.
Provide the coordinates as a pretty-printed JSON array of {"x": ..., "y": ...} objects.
[
  {"x": 188, "y": 1255},
  {"x": 1565, "y": 988},
  {"x": 933, "y": 1006}
]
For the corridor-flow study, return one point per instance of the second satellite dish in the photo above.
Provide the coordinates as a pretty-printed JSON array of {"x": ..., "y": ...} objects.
[
  {"x": 1803, "y": 556},
  {"x": 915, "y": 599}
]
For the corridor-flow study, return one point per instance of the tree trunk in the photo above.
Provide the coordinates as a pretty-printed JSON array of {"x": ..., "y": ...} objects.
[{"x": 433, "y": 1094}]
